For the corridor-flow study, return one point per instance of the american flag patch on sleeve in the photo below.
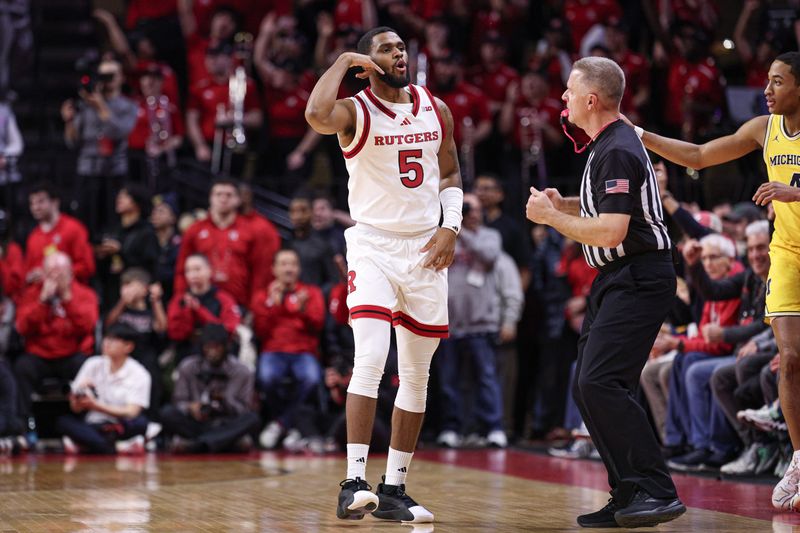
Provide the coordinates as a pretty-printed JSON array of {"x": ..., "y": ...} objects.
[{"x": 617, "y": 186}]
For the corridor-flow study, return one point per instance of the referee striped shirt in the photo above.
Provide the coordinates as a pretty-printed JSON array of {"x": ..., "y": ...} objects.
[{"x": 619, "y": 178}]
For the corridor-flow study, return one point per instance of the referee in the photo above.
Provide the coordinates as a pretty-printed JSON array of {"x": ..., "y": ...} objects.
[{"x": 619, "y": 220}]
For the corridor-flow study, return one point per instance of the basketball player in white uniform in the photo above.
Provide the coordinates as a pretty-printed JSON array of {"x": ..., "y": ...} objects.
[{"x": 398, "y": 144}]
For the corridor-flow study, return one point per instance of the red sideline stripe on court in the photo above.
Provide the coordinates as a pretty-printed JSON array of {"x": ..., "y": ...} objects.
[{"x": 743, "y": 499}]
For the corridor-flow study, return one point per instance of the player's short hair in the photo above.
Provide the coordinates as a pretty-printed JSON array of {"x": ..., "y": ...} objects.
[
  {"x": 604, "y": 76},
  {"x": 793, "y": 60},
  {"x": 365, "y": 43},
  {"x": 723, "y": 244},
  {"x": 759, "y": 227}
]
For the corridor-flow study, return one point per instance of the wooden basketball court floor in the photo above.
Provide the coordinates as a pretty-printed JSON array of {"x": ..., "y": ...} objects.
[{"x": 468, "y": 491}]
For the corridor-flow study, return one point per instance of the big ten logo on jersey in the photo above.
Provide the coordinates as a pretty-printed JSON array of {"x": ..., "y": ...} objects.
[{"x": 351, "y": 285}]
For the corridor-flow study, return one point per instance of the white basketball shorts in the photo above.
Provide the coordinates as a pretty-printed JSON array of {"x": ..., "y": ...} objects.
[{"x": 386, "y": 281}]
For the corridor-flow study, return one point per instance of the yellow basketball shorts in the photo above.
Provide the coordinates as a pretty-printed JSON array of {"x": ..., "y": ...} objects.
[{"x": 783, "y": 284}]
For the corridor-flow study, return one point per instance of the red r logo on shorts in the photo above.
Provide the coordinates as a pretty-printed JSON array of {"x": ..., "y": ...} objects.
[{"x": 351, "y": 277}]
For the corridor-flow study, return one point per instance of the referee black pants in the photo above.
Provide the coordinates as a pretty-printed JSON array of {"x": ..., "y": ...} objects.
[{"x": 625, "y": 311}]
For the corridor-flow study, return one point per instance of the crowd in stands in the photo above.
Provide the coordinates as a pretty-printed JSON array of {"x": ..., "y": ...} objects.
[{"x": 206, "y": 331}]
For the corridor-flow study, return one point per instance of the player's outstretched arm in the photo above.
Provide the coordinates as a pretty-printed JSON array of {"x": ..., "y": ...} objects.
[
  {"x": 441, "y": 247},
  {"x": 324, "y": 112},
  {"x": 749, "y": 137}
]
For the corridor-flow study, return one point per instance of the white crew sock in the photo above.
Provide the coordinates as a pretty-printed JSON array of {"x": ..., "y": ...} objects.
[
  {"x": 357, "y": 460},
  {"x": 397, "y": 466}
]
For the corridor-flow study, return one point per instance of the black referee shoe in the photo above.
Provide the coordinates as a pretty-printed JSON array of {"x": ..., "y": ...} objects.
[
  {"x": 645, "y": 511},
  {"x": 602, "y": 518},
  {"x": 355, "y": 499}
]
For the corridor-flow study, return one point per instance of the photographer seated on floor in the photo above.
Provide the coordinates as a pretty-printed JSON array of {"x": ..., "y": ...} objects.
[
  {"x": 212, "y": 406},
  {"x": 107, "y": 399}
]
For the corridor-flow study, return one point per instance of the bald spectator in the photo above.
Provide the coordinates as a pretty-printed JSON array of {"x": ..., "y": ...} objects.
[
  {"x": 239, "y": 263},
  {"x": 56, "y": 316},
  {"x": 198, "y": 303},
  {"x": 55, "y": 232}
]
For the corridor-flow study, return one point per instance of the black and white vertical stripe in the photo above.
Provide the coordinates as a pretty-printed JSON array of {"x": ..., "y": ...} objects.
[{"x": 647, "y": 218}]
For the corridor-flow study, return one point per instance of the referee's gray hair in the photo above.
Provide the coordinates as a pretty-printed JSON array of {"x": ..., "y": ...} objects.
[
  {"x": 757, "y": 227},
  {"x": 604, "y": 76},
  {"x": 723, "y": 244}
]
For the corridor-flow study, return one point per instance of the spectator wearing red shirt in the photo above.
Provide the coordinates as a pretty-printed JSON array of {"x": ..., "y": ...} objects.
[
  {"x": 209, "y": 103},
  {"x": 472, "y": 118},
  {"x": 159, "y": 129},
  {"x": 493, "y": 75},
  {"x": 267, "y": 236},
  {"x": 142, "y": 56},
  {"x": 55, "y": 232},
  {"x": 581, "y": 15},
  {"x": 143, "y": 10},
  {"x": 224, "y": 24},
  {"x": 286, "y": 92},
  {"x": 637, "y": 71},
  {"x": 694, "y": 84},
  {"x": 57, "y": 317},
  {"x": 355, "y": 14},
  {"x": 238, "y": 264},
  {"x": 198, "y": 303},
  {"x": 756, "y": 59},
  {"x": 552, "y": 57},
  {"x": 288, "y": 318},
  {"x": 12, "y": 262}
]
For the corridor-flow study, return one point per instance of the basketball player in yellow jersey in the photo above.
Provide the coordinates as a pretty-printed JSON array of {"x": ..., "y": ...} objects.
[{"x": 779, "y": 136}]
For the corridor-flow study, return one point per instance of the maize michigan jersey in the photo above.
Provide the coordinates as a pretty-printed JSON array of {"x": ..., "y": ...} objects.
[{"x": 782, "y": 157}]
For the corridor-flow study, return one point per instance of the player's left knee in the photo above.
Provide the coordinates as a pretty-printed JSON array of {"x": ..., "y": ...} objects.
[{"x": 413, "y": 365}]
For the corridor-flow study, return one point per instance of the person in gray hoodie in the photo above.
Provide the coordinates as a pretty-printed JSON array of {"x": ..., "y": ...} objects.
[{"x": 474, "y": 308}]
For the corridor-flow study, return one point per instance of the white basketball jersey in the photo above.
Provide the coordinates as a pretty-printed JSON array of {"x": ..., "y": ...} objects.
[{"x": 393, "y": 162}]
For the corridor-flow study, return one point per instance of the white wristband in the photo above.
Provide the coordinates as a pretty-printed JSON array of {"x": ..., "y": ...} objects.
[
  {"x": 452, "y": 200},
  {"x": 639, "y": 131}
]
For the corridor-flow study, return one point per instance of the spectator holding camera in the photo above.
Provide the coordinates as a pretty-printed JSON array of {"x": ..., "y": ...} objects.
[
  {"x": 288, "y": 318},
  {"x": 55, "y": 231},
  {"x": 57, "y": 316},
  {"x": 140, "y": 308},
  {"x": 107, "y": 399},
  {"x": 99, "y": 125},
  {"x": 211, "y": 408},
  {"x": 198, "y": 304}
]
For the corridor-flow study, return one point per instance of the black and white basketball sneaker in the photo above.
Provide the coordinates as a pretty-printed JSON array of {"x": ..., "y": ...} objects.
[
  {"x": 355, "y": 499},
  {"x": 395, "y": 504}
]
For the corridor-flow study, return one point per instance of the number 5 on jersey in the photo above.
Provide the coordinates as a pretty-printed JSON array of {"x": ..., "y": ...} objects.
[{"x": 408, "y": 166}]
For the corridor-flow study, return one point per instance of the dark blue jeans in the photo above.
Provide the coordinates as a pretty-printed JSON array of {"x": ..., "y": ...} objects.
[
  {"x": 287, "y": 381},
  {"x": 99, "y": 438},
  {"x": 679, "y": 419},
  {"x": 710, "y": 428},
  {"x": 489, "y": 402}
]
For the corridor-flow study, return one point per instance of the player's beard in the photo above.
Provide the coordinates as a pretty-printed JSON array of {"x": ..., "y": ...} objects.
[{"x": 396, "y": 82}]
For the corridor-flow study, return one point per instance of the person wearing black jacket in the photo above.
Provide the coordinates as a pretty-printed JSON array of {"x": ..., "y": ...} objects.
[
  {"x": 736, "y": 386},
  {"x": 709, "y": 421},
  {"x": 132, "y": 244}
]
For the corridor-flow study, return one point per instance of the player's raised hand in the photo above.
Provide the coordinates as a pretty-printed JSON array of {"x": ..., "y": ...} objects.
[
  {"x": 779, "y": 192},
  {"x": 365, "y": 62},
  {"x": 440, "y": 249},
  {"x": 539, "y": 207}
]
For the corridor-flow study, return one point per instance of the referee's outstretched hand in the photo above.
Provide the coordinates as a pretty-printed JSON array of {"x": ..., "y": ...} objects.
[{"x": 539, "y": 207}]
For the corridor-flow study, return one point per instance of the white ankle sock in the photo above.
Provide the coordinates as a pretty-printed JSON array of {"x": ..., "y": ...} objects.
[
  {"x": 397, "y": 466},
  {"x": 357, "y": 460}
]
